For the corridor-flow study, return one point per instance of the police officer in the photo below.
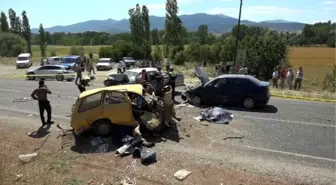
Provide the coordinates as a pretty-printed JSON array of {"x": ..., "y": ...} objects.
[
  {"x": 41, "y": 95},
  {"x": 172, "y": 78}
]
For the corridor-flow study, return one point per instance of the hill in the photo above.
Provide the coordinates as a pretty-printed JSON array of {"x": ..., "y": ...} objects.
[{"x": 216, "y": 24}]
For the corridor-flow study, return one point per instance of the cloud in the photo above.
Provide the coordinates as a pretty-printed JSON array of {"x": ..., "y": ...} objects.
[
  {"x": 252, "y": 11},
  {"x": 226, "y": 0},
  {"x": 329, "y": 2},
  {"x": 156, "y": 6}
]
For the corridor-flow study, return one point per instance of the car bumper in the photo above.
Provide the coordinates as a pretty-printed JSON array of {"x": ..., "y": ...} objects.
[{"x": 22, "y": 65}]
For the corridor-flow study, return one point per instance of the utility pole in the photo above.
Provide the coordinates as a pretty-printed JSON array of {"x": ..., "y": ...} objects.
[{"x": 238, "y": 32}]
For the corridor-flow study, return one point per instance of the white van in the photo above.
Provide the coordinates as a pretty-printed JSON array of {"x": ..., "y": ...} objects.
[
  {"x": 56, "y": 60},
  {"x": 24, "y": 60}
]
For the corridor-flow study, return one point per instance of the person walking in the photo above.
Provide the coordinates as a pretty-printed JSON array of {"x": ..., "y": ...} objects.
[
  {"x": 41, "y": 95},
  {"x": 172, "y": 78},
  {"x": 159, "y": 83},
  {"x": 218, "y": 69},
  {"x": 275, "y": 77},
  {"x": 168, "y": 65},
  {"x": 290, "y": 78},
  {"x": 298, "y": 80}
]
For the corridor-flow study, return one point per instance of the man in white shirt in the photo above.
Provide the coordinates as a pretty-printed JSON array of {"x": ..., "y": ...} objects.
[
  {"x": 290, "y": 78},
  {"x": 275, "y": 78},
  {"x": 298, "y": 80}
]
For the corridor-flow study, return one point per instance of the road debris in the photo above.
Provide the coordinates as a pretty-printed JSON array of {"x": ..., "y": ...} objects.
[
  {"x": 182, "y": 174},
  {"x": 233, "y": 137},
  {"x": 126, "y": 182},
  {"x": 216, "y": 115},
  {"x": 27, "y": 157}
]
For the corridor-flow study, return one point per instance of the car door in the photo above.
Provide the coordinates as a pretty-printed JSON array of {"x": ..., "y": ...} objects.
[
  {"x": 239, "y": 89},
  {"x": 53, "y": 71},
  {"x": 88, "y": 111},
  {"x": 117, "y": 107},
  {"x": 211, "y": 93},
  {"x": 40, "y": 72}
]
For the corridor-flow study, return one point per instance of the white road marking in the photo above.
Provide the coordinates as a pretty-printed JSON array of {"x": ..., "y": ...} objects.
[
  {"x": 31, "y": 112},
  {"x": 24, "y": 92},
  {"x": 287, "y": 121},
  {"x": 287, "y": 153}
]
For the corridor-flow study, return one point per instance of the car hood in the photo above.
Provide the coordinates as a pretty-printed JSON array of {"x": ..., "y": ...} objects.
[
  {"x": 202, "y": 75},
  {"x": 22, "y": 61},
  {"x": 103, "y": 64}
]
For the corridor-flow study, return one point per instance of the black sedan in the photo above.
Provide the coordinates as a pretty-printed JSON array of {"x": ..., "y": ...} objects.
[{"x": 231, "y": 89}]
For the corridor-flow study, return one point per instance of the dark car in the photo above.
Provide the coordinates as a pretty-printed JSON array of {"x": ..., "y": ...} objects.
[
  {"x": 129, "y": 61},
  {"x": 232, "y": 89}
]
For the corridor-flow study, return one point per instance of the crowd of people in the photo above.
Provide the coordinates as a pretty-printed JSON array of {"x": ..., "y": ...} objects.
[
  {"x": 286, "y": 75},
  {"x": 229, "y": 68}
]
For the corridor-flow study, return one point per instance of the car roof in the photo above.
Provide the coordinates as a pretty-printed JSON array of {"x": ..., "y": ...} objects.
[
  {"x": 138, "y": 70},
  {"x": 105, "y": 59},
  {"x": 24, "y": 55},
  {"x": 55, "y": 57},
  {"x": 72, "y": 56},
  {"x": 134, "y": 88},
  {"x": 234, "y": 76}
]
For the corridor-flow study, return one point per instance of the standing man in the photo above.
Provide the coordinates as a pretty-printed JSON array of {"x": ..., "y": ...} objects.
[
  {"x": 275, "y": 77},
  {"x": 298, "y": 80},
  {"x": 123, "y": 66},
  {"x": 172, "y": 78},
  {"x": 159, "y": 83},
  {"x": 41, "y": 95},
  {"x": 290, "y": 78},
  {"x": 168, "y": 65},
  {"x": 283, "y": 73}
]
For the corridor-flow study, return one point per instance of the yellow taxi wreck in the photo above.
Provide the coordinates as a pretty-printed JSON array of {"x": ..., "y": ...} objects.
[{"x": 104, "y": 109}]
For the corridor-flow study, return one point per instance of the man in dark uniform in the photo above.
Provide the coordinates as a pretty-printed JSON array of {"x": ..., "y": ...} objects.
[
  {"x": 40, "y": 94},
  {"x": 159, "y": 83},
  {"x": 171, "y": 82}
]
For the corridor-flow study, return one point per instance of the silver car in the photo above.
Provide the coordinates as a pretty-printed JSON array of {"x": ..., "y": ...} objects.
[
  {"x": 104, "y": 64},
  {"x": 57, "y": 72}
]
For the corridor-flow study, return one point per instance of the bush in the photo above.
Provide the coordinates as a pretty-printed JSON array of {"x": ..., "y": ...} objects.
[
  {"x": 91, "y": 55},
  {"x": 180, "y": 58},
  {"x": 329, "y": 82},
  {"x": 77, "y": 50},
  {"x": 12, "y": 45},
  {"x": 53, "y": 53}
]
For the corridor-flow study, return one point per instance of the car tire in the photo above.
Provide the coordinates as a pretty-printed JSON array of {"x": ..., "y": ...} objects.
[
  {"x": 102, "y": 127},
  {"x": 195, "y": 100},
  {"x": 59, "y": 77},
  {"x": 248, "y": 103},
  {"x": 31, "y": 77}
]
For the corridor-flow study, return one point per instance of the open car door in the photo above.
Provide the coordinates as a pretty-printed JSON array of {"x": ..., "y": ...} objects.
[
  {"x": 118, "y": 108},
  {"x": 202, "y": 75}
]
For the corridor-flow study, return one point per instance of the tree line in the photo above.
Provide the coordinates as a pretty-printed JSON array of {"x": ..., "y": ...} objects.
[{"x": 15, "y": 36}]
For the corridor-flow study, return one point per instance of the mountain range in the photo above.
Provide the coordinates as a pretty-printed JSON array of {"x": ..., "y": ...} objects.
[{"x": 216, "y": 24}]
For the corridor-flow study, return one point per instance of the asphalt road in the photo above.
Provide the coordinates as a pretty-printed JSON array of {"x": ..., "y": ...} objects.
[{"x": 303, "y": 129}]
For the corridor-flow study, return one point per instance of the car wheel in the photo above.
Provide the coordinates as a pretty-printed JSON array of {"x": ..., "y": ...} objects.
[
  {"x": 59, "y": 77},
  {"x": 195, "y": 100},
  {"x": 248, "y": 103},
  {"x": 102, "y": 127},
  {"x": 31, "y": 77}
]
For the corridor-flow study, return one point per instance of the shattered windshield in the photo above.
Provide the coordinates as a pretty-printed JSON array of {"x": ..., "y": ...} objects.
[{"x": 131, "y": 75}]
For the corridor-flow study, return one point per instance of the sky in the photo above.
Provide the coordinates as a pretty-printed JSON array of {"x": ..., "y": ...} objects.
[{"x": 65, "y": 12}]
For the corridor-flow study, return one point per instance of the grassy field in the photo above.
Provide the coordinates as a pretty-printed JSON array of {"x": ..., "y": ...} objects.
[{"x": 316, "y": 61}]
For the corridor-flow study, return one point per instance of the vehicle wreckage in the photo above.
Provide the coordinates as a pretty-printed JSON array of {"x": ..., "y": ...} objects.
[
  {"x": 107, "y": 109},
  {"x": 132, "y": 76}
]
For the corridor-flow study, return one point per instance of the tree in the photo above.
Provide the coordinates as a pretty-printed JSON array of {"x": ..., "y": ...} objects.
[
  {"x": 12, "y": 20},
  {"x": 4, "y": 22},
  {"x": 18, "y": 26},
  {"x": 173, "y": 24},
  {"x": 157, "y": 54},
  {"x": 11, "y": 45},
  {"x": 42, "y": 41},
  {"x": 26, "y": 31},
  {"x": 203, "y": 33},
  {"x": 146, "y": 31}
]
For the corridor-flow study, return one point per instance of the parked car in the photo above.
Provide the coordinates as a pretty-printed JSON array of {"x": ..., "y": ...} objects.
[
  {"x": 104, "y": 64},
  {"x": 129, "y": 61},
  {"x": 132, "y": 76},
  {"x": 56, "y": 60},
  {"x": 231, "y": 89},
  {"x": 69, "y": 61},
  {"x": 24, "y": 60},
  {"x": 57, "y": 72},
  {"x": 105, "y": 108}
]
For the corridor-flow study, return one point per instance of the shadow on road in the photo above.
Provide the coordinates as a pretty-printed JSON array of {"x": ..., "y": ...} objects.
[{"x": 41, "y": 132}]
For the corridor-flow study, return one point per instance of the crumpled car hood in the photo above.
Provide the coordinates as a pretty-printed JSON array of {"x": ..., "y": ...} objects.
[{"x": 202, "y": 75}]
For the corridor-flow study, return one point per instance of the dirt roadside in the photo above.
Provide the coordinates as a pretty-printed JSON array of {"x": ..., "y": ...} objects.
[{"x": 209, "y": 161}]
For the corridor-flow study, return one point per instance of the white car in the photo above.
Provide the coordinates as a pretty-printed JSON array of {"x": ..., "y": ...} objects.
[
  {"x": 104, "y": 64},
  {"x": 57, "y": 72},
  {"x": 24, "y": 60},
  {"x": 56, "y": 60}
]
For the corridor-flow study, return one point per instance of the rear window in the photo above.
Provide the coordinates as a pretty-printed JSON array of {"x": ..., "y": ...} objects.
[{"x": 90, "y": 102}]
